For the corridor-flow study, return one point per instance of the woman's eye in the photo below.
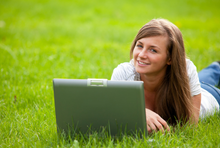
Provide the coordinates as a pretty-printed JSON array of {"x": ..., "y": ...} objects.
[
  {"x": 140, "y": 46},
  {"x": 153, "y": 50}
]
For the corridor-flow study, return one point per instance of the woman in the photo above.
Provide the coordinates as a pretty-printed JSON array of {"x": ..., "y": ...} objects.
[{"x": 171, "y": 84}]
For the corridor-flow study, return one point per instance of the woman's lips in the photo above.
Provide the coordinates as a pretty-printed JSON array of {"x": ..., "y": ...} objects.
[{"x": 142, "y": 63}]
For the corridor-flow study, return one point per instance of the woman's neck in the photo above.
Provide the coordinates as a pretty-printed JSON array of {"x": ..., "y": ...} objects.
[
  {"x": 151, "y": 83},
  {"x": 151, "y": 86}
]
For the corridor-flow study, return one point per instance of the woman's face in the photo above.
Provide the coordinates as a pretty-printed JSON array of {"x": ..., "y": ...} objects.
[{"x": 150, "y": 55}]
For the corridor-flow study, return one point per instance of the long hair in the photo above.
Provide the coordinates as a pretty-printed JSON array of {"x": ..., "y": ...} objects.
[{"x": 173, "y": 99}]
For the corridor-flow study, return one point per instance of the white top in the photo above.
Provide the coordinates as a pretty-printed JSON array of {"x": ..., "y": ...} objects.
[{"x": 126, "y": 71}]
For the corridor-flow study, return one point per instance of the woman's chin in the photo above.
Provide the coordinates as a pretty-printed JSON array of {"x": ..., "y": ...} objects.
[{"x": 141, "y": 71}]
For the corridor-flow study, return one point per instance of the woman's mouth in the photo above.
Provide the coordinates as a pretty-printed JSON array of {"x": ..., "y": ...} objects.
[{"x": 142, "y": 63}]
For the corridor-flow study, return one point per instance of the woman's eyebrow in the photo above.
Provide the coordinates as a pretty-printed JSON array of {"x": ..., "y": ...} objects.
[
  {"x": 152, "y": 46},
  {"x": 139, "y": 42}
]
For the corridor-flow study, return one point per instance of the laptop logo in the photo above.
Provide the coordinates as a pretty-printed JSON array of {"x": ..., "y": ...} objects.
[{"x": 97, "y": 82}]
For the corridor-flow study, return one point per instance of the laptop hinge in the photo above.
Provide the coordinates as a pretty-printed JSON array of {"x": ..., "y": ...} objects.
[{"x": 97, "y": 82}]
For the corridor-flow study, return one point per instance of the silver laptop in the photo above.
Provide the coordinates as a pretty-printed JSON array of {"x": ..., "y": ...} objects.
[{"x": 92, "y": 104}]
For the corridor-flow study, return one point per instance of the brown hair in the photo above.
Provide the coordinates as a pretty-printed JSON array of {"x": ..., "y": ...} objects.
[{"x": 173, "y": 100}]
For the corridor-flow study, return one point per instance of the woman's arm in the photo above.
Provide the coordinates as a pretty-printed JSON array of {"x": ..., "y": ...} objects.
[
  {"x": 196, "y": 102},
  {"x": 195, "y": 89}
]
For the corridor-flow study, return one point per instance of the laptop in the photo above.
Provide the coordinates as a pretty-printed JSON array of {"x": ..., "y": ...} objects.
[{"x": 85, "y": 105}]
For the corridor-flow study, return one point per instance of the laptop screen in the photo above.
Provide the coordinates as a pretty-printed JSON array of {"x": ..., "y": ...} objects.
[{"x": 83, "y": 105}]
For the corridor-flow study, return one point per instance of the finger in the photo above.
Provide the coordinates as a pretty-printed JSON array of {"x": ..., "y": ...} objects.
[
  {"x": 149, "y": 129},
  {"x": 159, "y": 126},
  {"x": 164, "y": 123},
  {"x": 152, "y": 126},
  {"x": 166, "y": 126}
]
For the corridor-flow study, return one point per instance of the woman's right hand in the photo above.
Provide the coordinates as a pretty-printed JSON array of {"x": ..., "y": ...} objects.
[{"x": 155, "y": 122}]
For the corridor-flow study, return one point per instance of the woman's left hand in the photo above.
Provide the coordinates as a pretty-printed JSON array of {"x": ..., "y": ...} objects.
[{"x": 155, "y": 122}]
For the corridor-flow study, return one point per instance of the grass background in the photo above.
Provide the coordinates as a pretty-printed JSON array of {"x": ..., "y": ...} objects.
[{"x": 45, "y": 39}]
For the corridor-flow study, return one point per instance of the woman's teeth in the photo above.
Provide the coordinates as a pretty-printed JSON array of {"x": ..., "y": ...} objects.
[{"x": 142, "y": 63}]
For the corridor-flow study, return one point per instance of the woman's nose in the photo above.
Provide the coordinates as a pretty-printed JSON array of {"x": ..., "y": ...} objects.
[{"x": 143, "y": 54}]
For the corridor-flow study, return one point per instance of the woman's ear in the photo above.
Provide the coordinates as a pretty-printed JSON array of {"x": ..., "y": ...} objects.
[{"x": 169, "y": 61}]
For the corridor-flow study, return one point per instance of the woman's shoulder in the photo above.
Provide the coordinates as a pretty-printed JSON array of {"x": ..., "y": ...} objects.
[
  {"x": 193, "y": 78},
  {"x": 124, "y": 71},
  {"x": 190, "y": 65},
  {"x": 191, "y": 69}
]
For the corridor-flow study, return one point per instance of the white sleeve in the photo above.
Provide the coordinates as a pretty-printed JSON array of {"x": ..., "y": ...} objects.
[
  {"x": 124, "y": 71},
  {"x": 118, "y": 73},
  {"x": 208, "y": 104},
  {"x": 193, "y": 78}
]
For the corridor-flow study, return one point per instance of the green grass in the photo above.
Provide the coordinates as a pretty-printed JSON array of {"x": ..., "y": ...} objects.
[{"x": 42, "y": 40}]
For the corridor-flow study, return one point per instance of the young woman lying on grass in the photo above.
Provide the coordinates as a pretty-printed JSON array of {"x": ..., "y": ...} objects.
[{"x": 172, "y": 87}]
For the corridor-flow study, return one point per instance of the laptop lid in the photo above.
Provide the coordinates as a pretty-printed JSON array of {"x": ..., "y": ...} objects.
[{"x": 94, "y": 103}]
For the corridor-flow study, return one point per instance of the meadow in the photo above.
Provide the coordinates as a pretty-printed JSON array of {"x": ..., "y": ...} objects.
[{"x": 45, "y": 39}]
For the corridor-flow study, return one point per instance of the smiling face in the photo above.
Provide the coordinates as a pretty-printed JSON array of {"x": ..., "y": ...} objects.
[{"x": 150, "y": 55}]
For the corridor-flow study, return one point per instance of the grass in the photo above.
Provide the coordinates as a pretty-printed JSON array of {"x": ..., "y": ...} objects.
[{"x": 41, "y": 40}]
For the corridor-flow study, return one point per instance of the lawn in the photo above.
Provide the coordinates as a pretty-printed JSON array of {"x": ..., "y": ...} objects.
[{"x": 45, "y": 39}]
